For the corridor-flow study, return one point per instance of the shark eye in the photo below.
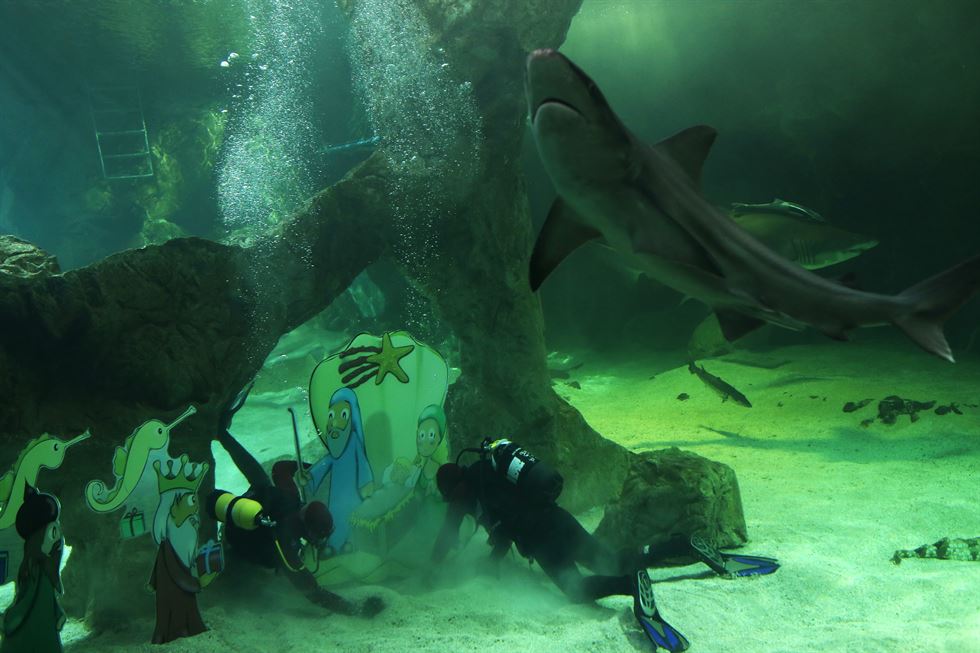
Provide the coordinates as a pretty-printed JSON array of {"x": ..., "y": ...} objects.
[
  {"x": 159, "y": 429},
  {"x": 343, "y": 415},
  {"x": 330, "y": 415},
  {"x": 56, "y": 446}
]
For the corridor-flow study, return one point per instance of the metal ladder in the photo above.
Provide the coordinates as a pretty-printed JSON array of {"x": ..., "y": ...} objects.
[{"x": 120, "y": 132}]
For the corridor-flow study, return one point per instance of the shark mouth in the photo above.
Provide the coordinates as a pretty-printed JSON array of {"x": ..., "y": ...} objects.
[{"x": 555, "y": 101}]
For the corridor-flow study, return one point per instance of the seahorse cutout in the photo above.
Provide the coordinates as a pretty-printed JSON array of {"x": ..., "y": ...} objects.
[
  {"x": 44, "y": 452},
  {"x": 129, "y": 463}
]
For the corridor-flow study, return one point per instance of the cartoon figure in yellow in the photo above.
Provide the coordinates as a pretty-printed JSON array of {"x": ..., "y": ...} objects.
[
  {"x": 420, "y": 473},
  {"x": 351, "y": 479}
]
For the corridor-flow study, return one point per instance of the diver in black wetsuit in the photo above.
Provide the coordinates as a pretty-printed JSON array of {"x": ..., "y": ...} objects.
[
  {"x": 513, "y": 496},
  {"x": 278, "y": 546},
  {"x": 540, "y": 529}
]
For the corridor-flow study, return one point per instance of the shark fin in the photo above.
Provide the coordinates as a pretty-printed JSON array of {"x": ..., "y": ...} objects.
[
  {"x": 563, "y": 232},
  {"x": 735, "y": 325},
  {"x": 689, "y": 148},
  {"x": 932, "y": 301}
]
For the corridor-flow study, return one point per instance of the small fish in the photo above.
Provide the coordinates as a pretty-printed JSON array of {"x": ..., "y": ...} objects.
[
  {"x": 777, "y": 206},
  {"x": 720, "y": 386}
]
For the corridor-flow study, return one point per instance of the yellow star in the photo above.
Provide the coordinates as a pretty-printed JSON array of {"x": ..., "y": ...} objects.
[{"x": 388, "y": 359}]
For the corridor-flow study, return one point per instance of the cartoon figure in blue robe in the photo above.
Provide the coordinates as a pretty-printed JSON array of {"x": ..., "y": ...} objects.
[{"x": 351, "y": 479}]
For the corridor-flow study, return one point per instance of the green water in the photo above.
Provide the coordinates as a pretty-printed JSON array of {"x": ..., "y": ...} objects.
[{"x": 864, "y": 111}]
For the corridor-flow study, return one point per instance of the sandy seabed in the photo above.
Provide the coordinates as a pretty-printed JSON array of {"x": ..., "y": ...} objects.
[{"x": 832, "y": 499}]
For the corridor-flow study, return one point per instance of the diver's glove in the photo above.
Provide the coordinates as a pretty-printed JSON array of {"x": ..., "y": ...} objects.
[{"x": 372, "y": 606}]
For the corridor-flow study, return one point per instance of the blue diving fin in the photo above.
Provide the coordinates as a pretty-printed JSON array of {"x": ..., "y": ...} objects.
[
  {"x": 661, "y": 633},
  {"x": 732, "y": 565}
]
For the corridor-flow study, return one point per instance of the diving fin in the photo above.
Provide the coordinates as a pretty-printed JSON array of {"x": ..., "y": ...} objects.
[
  {"x": 731, "y": 565},
  {"x": 740, "y": 565},
  {"x": 661, "y": 633}
]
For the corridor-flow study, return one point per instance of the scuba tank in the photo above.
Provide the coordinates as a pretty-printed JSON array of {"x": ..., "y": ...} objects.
[
  {"x": 535, "y": 480},
  {"x": 243, "y": 512}
]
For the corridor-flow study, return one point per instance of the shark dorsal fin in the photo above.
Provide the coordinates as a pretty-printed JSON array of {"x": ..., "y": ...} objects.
[
  {"x": 563, "y": 232},
  {"x": 689, "y": 148}
]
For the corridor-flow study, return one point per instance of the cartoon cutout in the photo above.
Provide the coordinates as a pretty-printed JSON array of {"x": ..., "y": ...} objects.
[
  {"x": 396, "y": 503},
  {"x": 173, "y": 502},
  {"x": 44, "y": 452},
  {"x": 420, "y": 473},
  {"x": 130, "y": 461},
  {"x": 350, "y": 476},
  {"x": 33, "y": 622},
  {"x": 175, "y": 525}
]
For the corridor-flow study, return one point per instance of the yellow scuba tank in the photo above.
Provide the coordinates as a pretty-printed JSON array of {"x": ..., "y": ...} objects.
[{"x": 243, "y": 512}]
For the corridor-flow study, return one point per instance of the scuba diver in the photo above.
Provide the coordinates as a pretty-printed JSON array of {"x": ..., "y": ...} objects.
[
  {"x": 269, "y": 525},
  {"x": 513, "y": 496}
]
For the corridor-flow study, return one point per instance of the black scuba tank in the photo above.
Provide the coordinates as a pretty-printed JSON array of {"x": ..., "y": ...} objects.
[{"x": 535, "y": 480}]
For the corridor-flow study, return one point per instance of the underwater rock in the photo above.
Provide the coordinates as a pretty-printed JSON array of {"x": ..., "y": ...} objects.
[
  {"x": 945, "y": 549},
  {"x": 23, "y": 259},
  {"x": 147, "y": 332},
  {"x": 683, "y": 396},
  {"x": 891, "y": 407},
  {"x": 157, "y": 231},
  {"x": 670, "y": 491}
]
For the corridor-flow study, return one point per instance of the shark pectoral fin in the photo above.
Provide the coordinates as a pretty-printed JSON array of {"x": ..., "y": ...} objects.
[
  {"x": 734, "y": 325},
  {"x": 563, "y": 232},
  {"x": 689, "y": 148}
]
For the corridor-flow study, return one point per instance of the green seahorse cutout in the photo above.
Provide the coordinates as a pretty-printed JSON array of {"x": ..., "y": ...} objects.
[
  {"x": 44, "y": 452},
  {"x": 129, "y": 463}
]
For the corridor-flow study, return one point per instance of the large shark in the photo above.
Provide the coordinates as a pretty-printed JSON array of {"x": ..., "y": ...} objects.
[{"x": 644, "y": 201}]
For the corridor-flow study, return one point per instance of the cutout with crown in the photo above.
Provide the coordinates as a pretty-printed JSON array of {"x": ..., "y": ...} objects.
[{"x": 181, "y": 474}]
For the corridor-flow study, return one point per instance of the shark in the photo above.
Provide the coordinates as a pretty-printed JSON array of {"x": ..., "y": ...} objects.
[
  {"x": 800, "y": 234},
  {"x": 644, "y": 201}
]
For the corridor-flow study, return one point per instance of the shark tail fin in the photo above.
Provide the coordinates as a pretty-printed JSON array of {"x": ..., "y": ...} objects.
[{"x": 931, "y": 302}]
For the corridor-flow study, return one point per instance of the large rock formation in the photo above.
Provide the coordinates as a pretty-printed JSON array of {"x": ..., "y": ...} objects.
[
  {"x": 671, "y": 492},
  {"x": 146, "y": 332}
]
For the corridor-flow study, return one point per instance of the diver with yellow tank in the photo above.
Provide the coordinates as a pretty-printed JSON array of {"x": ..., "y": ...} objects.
[{"x": 270, "y": 526}]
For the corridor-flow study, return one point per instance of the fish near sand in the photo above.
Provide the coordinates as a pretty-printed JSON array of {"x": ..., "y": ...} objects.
[
  {"x": 721, "y": 387},
  {"x": 644, "y": 201}
]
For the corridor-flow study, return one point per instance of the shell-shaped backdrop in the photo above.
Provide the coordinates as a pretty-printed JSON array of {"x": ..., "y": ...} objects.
[
  {"x": 389, "y": 384},
  {"x": 395, "y": 377}
]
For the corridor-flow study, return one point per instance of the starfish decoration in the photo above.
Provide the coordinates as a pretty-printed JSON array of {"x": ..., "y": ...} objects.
[{"x": 388, "y": 360}]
